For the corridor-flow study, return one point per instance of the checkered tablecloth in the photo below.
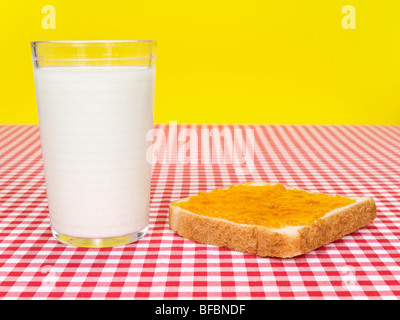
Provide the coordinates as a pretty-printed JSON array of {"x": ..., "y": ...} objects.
[{"x": 350, "y": 160}]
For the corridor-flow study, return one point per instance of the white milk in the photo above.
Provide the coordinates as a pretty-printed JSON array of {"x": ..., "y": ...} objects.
[{"x": 93, "y": 125}]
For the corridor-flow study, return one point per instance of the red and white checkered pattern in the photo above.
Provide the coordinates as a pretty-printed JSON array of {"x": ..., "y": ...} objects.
[{"x": 351, "y": 160}]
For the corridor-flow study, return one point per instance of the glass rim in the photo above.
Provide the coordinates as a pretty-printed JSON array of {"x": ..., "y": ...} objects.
[
  {"x": 71, "y": 44},
  {"x": 37, "y": 42}
]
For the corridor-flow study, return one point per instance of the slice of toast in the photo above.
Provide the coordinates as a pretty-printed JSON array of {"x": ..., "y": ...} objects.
[{"x": 284, "y": 241}]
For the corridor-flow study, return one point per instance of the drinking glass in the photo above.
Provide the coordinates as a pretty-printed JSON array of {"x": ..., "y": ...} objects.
[{"x": 95, "y": 106}]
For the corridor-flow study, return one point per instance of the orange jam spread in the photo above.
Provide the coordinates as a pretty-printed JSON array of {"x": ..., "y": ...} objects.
[{"x": 272, "y": 206}]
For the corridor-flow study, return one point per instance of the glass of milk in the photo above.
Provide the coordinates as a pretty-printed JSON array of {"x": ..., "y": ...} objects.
[{"x": 95, "y": 106}]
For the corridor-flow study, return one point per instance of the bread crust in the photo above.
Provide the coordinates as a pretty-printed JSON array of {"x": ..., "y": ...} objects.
[{"x": 282, "y": 243}]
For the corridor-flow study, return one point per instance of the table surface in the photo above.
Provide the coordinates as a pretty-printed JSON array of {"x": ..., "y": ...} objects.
[{"x": 350, "y": 160}]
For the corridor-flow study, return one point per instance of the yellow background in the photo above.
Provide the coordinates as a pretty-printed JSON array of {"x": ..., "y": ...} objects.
[{"x": 229, "y": 61}]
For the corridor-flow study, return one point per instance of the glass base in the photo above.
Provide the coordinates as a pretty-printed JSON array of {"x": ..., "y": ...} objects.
[{"x": 99, "y": 242}]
